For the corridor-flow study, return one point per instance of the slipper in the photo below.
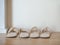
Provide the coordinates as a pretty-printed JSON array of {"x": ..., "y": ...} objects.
[
  {"x": 45, "y": 33},
  {"x": 12, "y": 32},
  {"x": 34, "y": 32},
  {"x": 24, "y": 33}
]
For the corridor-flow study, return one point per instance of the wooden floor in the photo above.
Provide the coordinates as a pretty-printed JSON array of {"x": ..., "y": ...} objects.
[{"x": 53, "y": 40}]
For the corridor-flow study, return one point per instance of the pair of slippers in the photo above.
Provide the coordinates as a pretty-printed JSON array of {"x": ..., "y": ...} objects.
[
  {"x": 33, "y": 33},
  {"x": 36, "y": 33}
]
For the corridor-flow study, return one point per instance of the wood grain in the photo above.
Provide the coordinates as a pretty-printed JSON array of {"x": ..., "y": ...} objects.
[{"x": 53, "y": 40}]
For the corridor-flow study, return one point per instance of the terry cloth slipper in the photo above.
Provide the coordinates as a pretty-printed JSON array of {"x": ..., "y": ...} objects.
[
  {"x": 34, "y": 32},
  {"x": 12, "y": 32},
  {"x": 45, "y": 33},
  {"x": 23, "y": 33}
]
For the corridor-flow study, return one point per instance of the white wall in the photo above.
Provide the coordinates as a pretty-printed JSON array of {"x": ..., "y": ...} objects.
[
  {"x": 40, "y": 13},
  {"x": 1, "y": 13},
  {"x": 2, "y": 17}
]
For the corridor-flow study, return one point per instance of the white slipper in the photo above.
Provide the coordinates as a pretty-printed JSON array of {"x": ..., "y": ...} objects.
[
  {"x": 24, "y": 33},
  {"x": 34, "y": 35},
  {"x": 34, "y": 32},
  {"x": 45, "y": 33},
  {"x": 13, "y": 32}
]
